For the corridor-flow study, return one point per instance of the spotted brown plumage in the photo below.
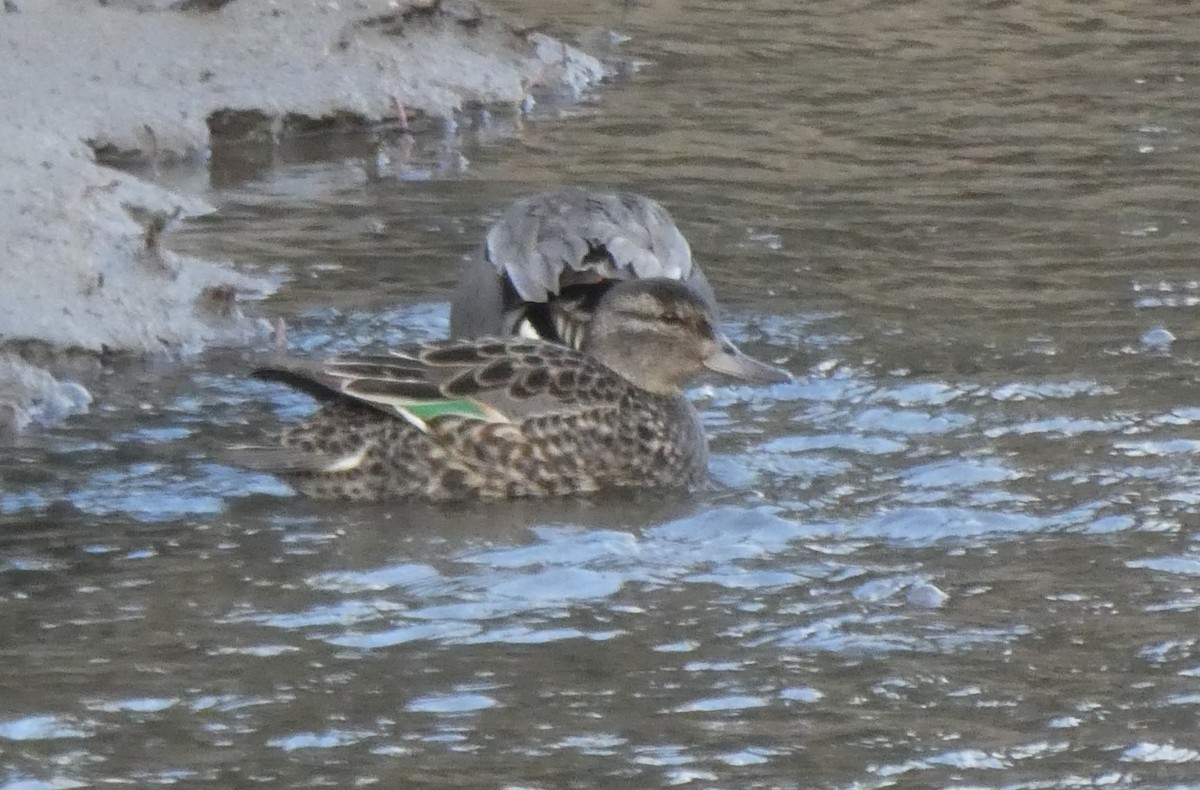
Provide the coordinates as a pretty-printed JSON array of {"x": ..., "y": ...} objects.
[{"x": 490, "y": 418}]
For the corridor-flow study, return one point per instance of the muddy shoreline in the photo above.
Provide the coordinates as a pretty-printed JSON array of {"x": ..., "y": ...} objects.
[{"x": 85, "y": 264}]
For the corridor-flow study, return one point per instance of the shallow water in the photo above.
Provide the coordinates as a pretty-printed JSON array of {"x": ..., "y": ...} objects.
[{"x": 958, "y": 552}]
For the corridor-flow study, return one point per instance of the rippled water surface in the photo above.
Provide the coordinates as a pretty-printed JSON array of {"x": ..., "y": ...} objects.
[{"x": 958, "y": 552}]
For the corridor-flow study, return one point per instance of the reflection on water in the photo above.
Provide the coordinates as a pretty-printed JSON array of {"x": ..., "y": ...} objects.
[{"x": 958, "y": 551}]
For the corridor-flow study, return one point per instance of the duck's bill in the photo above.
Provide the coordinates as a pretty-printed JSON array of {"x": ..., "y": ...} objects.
[{"x": 730, "y": 361}]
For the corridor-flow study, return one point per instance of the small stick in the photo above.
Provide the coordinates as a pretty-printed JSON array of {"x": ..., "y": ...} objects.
[{"x": 401, "y": 114}]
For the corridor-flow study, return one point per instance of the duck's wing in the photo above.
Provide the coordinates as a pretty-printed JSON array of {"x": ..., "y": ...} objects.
[
  {"x": 566, "y": 233},
  {"x": 550, "y": 241},
  {"x": 498, "y": 381}
]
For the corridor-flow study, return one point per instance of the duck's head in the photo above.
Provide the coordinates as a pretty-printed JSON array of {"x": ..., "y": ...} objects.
[{"x": 658, "y": 333}]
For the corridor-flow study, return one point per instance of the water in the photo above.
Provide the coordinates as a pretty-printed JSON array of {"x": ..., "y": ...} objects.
[{"x": 958, "y": 552}]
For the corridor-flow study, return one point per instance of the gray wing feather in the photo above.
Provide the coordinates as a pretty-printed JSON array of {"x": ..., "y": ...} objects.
[{"x": 542, "y": 236}]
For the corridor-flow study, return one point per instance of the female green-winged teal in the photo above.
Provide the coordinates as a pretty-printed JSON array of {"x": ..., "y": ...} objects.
[
  {"x": 511, "y": 417},
  {"x": 567, "y": 247}
]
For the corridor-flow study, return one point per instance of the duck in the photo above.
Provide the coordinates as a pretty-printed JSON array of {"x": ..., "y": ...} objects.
[
  {"x": 507, "y": 417},
  {"x": 546, "y": 262}
]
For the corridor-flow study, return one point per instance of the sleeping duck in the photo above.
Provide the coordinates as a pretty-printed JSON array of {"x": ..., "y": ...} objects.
[{"x": 548, "y": 260}]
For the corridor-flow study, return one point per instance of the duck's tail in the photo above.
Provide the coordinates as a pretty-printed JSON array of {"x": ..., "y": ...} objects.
[{"x": 290, "y": 460}]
